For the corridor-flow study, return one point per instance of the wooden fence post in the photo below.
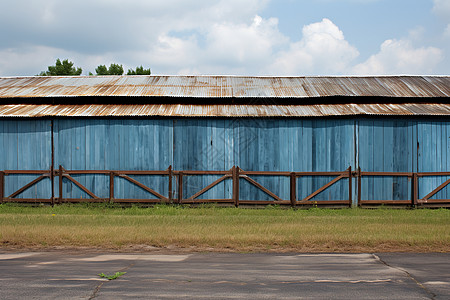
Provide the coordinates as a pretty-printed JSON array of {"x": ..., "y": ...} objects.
[
  {"x": 52, "y": 179},
  {"x": 170, "y": 174},
  {"x": 415, "y": 189},
  {"x": 236, "y": 185},
  {"x": 350, "y": 192},
  {"x": 60, "y": 174},
  {"x": 111, "y": 186},
  {"x": 293, "y": 189},
  {"x": 359, "y": 186},
  {"x": 180, "y": 187},
  {"x": 2, "y": 186}
]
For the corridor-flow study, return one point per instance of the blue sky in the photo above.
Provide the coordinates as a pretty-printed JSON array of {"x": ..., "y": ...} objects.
[
  {"x": 240, "y": 37},
  {"x": 366, "y": 24}
]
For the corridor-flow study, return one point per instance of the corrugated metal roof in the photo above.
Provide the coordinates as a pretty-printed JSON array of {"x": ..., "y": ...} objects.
[
  {"x": 188, "y": 110},
  {"x": 225, "y": 86}
]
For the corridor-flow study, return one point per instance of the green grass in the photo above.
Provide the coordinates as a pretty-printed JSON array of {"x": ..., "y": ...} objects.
[{"x": 210, "y": 228}]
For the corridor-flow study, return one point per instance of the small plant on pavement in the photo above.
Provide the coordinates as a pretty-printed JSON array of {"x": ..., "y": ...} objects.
[{"x": 112, "y": 277}]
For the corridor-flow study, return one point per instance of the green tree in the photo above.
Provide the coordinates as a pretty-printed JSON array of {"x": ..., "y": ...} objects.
[
  {"x": 139, "y": 71},
  {"x": 64, "y": 68},
  {"x": 114, "y": 69},
  {"x": 101, "y": 70}
]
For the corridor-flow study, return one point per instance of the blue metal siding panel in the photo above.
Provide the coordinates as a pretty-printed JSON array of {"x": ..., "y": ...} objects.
[
  {"x": 433, "y": 163},
  {"x": 327, "y": 157},
  {"x": 25, "y": 145},
  {"x": 256, "y": 154},
  {"x": 385, "y": 146},
  {"x": 285, "y": 160},
  {"x": 314, "y": 149},
  {"x": 424, "y": 155},
  {"x": 446, "y": 162},
  {"x": 402, "y": 158},
  {"x": 365, "y": 146},
  {"x": 11, "y": 159},
  {"x": 204, "y": 144},
  {"x": 446, "y": 150},
  {"x": 142, "y": 151},
  {"x": 306, "y": 150},
  {"x": 388, "y": 157},
  {"x": 433, "y": 139},
  {"x": 113, "y": 145}
]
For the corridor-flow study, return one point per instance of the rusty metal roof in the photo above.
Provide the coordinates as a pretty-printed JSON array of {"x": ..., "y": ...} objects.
[
  {"x": 225, "y": 86},
  {"x": 188, "y": 110},
  {"x": 216, "y": 87}
]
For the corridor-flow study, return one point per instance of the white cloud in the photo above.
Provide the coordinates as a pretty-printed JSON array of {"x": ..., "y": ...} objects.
[
  {"x": 162, "y": 33},
  {"x": 172, "y": 53},
  {"x": 255, "y": 48},
  {"x": 19, "y": 61},
  {"x": 225, "y": 48},
  {"x": 244, "y": 44},
  {"x": 90, "y": 26},
  {"x": 442, "y": 9},
  {"x": 190, "y": 37},
  {"x": 400, "y": 57},
  {"x": 322, "y": 49}
]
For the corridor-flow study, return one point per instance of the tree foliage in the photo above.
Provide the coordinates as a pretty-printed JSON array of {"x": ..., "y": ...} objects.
[
  {"x": 64, "y": 68},
  {"x": 139, "y": 71},
  {"x": 114, "y": 69}
]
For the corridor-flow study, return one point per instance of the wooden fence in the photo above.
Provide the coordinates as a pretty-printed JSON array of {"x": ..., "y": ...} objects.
[{"x": 235, "y": 175}]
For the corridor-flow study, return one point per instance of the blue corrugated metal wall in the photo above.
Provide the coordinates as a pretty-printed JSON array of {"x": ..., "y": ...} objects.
[
  {"x": 254, "y": 144},
  {"x": 387, "y": 146},
  {"x": 204, "y": 144},
  {"x": 114, "y": 144},
  {"x": 294, "y": 145},
  {"x": 433, "y": 155},
  {"x": 26, "y": 145}
]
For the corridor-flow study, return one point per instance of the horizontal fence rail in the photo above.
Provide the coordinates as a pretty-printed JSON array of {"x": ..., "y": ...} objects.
[
  {"x": 426, "y": 199},
  {"x": 42, "y": 174},
  {"x": 175, "y": 189},
  {"x": 62, "y": 173},
  {"x": 360, "y": 175}
]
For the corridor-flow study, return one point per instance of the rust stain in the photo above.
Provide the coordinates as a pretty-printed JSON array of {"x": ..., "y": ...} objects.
[
  {"x": 225, "y": 86},
  {"x": 188, "y": 110}
]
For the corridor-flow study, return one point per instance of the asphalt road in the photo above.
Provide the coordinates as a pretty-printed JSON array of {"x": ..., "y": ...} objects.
[{"x": 62, "y": 275}]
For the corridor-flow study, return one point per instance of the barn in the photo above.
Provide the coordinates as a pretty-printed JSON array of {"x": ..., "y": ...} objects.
[{"x": 229, "y": 139}]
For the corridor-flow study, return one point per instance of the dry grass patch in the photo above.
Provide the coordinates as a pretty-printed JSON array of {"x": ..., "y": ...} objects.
[{"x": 226, "y": 229}]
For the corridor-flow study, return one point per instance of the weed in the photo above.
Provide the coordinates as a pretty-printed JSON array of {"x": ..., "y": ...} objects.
[{"x": 112, "y": 277}]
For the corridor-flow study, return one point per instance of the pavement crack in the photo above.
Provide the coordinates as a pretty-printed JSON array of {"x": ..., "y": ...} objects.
[
  {"x": 430, "y": 293},
  {"x": 96, "y": 290},
  {"x": 99, "y": 286}
]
